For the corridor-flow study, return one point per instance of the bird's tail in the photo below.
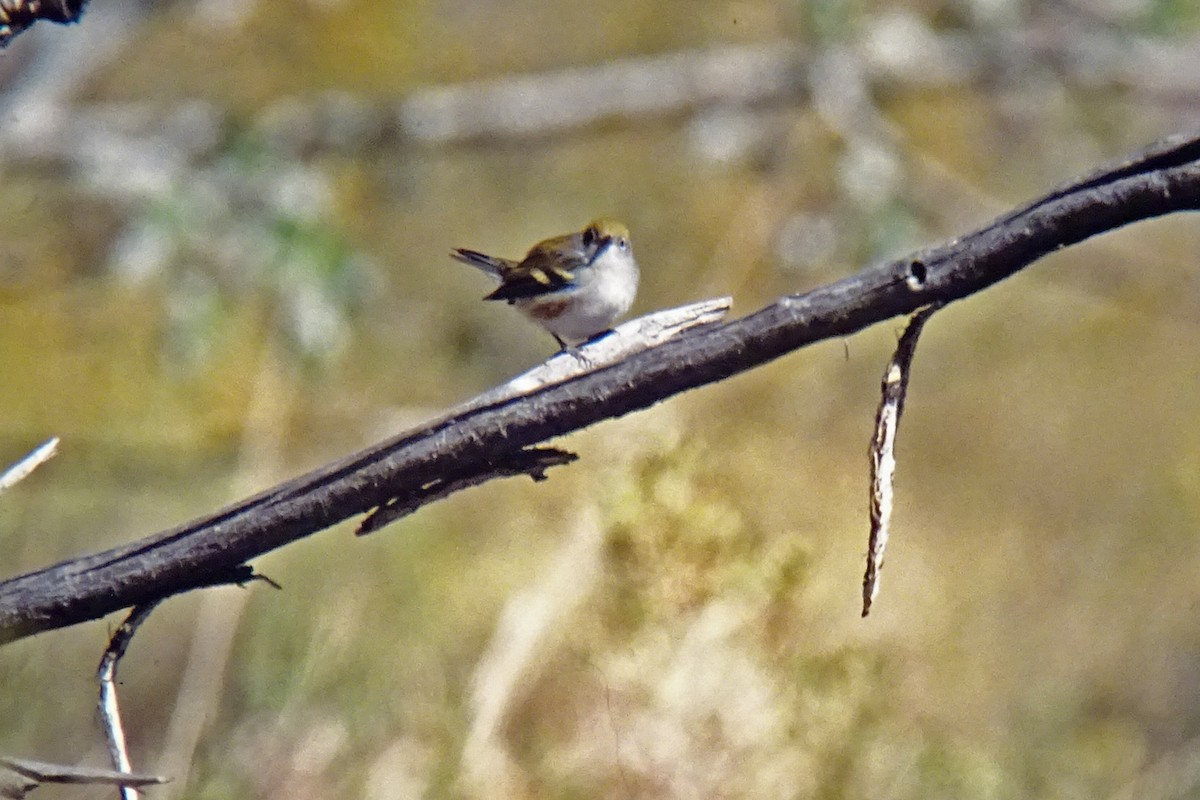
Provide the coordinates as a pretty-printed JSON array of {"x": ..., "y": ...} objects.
[{"x": 496, "y": 267}]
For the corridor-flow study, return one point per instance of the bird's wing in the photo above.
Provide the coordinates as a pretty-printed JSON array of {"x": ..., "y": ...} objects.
[{"x": 548, "y": 267}]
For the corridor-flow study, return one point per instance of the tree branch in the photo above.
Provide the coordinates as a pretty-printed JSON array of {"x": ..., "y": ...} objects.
[
  {"x": 109, "y": 708},
  {"x": 20, "y": 776},
  {"x": 1162, "y": 180}
]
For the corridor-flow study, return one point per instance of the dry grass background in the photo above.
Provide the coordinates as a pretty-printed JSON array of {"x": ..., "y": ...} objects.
[{"x": 676, "y": 615}]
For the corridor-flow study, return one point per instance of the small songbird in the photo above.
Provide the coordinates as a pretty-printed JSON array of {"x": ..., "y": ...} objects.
[{"x": 573, "y": 285}]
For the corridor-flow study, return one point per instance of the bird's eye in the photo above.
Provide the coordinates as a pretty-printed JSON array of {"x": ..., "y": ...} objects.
[
  {"x": 623, "y": 243},
  {"x": 589, "y": 236}
]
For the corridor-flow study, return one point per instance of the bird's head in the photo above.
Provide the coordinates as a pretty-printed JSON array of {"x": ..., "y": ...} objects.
[{"x": 602, "y": 234}]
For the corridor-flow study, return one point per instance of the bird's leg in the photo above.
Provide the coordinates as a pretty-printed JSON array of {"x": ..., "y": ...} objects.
[{"x": 573, "y": 351}]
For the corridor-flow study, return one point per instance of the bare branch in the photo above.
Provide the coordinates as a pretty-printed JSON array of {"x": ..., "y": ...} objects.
[
  {"x": 1162, "y": 180},
  {"x": 106, "y": 675},
  {"x": 23, "y": 468},
  {"x": 19, "y": 776}
]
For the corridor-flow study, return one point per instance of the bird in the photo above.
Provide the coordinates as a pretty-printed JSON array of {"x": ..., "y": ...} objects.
[{"x": 574, "y": 285}]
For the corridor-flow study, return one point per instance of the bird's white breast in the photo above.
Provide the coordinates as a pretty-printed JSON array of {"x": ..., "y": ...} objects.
[{"x": 602, "y": 292}]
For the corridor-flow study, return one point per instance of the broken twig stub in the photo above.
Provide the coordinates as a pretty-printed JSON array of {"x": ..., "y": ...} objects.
[{"x": 883, "y": 450}]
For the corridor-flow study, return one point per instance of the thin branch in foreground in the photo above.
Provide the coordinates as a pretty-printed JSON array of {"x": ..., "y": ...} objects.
[
  {"x": 23, "y": 468},
  {"x": 883, "y": 450},
  {"x": 110, "y": 712},
  {"x": 19, "y": 776}
]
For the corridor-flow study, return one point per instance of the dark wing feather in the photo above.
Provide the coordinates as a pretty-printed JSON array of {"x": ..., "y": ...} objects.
[
  {"x": 540, "y": 272},
  {"x": 489, "y": 264}
]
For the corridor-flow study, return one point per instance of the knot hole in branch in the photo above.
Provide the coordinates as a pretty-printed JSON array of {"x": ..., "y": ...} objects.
[{"x": 916, "y": 275}]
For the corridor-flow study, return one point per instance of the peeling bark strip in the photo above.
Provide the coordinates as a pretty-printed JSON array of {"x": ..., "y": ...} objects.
[
  {"x": 1161, "y": 180},
  {"x": 883, "y": 450},
  {"x": 533, "y": 462}
]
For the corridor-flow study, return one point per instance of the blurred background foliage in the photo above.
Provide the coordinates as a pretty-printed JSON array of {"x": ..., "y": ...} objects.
[{"x": 224, "y": 229}]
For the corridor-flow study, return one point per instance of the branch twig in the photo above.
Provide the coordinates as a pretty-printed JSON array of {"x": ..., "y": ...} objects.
[
  {"x": 22, "y": 469},
  {"x": 106, "y": 675},
  {"x": 19, "y": 776}
]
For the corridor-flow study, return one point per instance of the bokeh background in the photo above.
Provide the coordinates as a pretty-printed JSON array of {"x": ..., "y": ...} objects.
[{"x": 223, "y": 237}]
